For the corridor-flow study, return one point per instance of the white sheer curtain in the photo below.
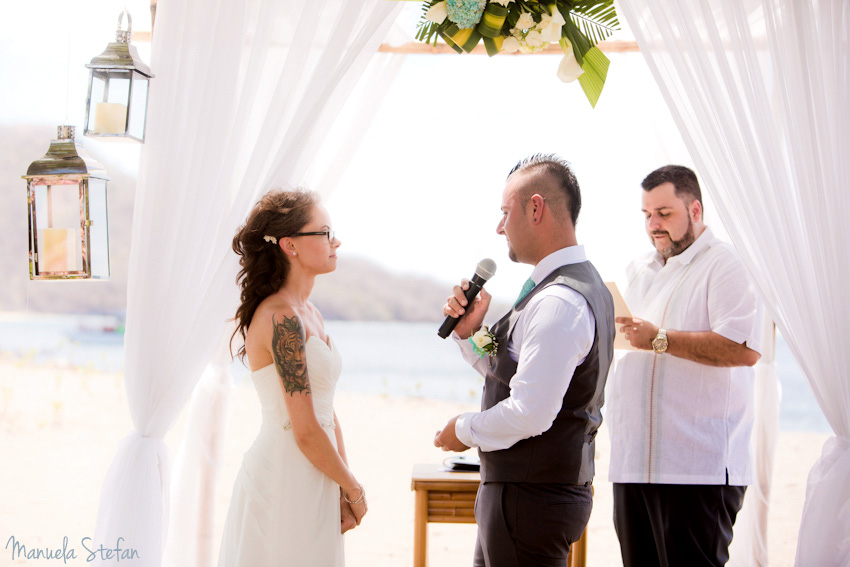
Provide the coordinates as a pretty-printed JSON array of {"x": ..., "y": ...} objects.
[
  {"x": 749, "y": 546},
  {"x": 761, "y": 99},
  {"x": 197, "y": 468},
  {"x": 244, "y": 95}
]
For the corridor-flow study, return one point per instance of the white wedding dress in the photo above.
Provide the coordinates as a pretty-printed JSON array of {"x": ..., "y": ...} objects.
[{"x": 284, "y": 512}]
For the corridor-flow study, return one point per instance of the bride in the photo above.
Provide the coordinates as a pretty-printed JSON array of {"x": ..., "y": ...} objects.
[{"x": 294, "y": 496}]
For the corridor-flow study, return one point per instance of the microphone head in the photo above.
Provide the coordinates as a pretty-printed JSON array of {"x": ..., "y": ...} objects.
[{"x": 485, "y": 269}]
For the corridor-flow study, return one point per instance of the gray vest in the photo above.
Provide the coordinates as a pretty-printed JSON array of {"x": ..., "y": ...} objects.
[{"x": 564, "y": 453}]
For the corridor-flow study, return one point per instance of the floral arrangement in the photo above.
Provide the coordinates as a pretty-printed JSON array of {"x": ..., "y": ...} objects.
[
  {"x": 483, "y": 342},
  {"x": 528, "y": 26}
]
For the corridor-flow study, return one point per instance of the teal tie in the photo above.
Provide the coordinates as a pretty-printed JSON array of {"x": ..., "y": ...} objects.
[{"x": 526, "y": 289}]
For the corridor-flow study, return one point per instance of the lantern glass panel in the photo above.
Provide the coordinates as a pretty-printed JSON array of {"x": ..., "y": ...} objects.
[
  {"x": 57, "y": 228},
  {"x": 99, "y": 229},
  {"x": 138, "y": 106},
  {"x": 110, "y": 95}
]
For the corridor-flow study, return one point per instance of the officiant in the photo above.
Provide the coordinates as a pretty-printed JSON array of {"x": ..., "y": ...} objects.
[
  {"x": 681, "y": 406},
  {"x": 544, "y": 379}
]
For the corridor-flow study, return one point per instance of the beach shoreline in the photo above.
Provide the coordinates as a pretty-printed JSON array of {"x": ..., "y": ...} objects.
[{"x": 60, "y": 427}]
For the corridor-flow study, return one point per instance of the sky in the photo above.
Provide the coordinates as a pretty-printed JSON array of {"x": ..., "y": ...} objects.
[{"x": 423, "y": 189}]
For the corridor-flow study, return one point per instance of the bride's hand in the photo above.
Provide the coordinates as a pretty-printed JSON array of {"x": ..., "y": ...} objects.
[
  {"x": 359, "y": 510},
  {"x": 347, "y": 519},
  {"x": 356, "y": 500}
]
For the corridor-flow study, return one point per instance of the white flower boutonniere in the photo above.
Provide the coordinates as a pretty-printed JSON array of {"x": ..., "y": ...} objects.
[{"x": 483, "y": 342}]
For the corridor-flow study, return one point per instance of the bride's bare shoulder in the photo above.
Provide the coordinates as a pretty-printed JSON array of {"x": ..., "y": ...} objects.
[
  {"x": 315, "y": 313},
  {"x": 271, "y": 312}
]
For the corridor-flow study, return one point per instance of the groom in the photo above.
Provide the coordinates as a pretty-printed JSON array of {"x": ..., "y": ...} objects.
[{"x": 544, "y": 386}]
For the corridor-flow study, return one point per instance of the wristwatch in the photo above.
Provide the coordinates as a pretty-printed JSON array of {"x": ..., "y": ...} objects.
[{"x": 659, "y": 343}]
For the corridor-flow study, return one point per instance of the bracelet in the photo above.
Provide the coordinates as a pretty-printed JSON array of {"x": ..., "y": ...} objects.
[{"x": 359, "y": 500}]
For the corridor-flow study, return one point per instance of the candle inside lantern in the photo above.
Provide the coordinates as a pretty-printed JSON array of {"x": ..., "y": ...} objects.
[
  {"x": 55, "y": 249},
  {"x": 110, "y": 118}
]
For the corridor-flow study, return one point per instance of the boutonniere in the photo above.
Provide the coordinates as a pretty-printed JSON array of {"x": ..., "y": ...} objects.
[{"x": 484, "y": 342}]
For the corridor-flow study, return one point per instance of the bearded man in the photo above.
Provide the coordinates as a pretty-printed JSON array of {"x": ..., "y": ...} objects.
[{"x": 681, "y": 405}]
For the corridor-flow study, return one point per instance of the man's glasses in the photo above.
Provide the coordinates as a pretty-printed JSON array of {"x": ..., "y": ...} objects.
[{"x": 329, "y": 233}]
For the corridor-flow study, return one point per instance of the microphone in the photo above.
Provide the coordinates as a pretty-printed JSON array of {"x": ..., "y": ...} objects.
[{"x": 483, "y": 272}]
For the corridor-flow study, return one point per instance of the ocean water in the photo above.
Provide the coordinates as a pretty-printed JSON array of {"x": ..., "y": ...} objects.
[{"x": 396, "y": 359}]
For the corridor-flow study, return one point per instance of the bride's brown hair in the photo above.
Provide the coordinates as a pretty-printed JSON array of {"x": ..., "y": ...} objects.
[{"x": 264, "y": 265}]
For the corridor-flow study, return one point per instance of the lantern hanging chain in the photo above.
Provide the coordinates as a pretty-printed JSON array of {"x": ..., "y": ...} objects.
[{"x": 68, "y": 79}]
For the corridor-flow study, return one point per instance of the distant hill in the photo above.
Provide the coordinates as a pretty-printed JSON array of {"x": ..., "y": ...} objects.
[
  {"x": 358, "y": 290},
  {"x": 361, "y": 290}
]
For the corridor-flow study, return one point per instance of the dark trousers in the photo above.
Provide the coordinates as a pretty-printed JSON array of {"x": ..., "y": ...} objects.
[
  {"x": 529, "y": 524},
  {"x": 671, "y": 525}
]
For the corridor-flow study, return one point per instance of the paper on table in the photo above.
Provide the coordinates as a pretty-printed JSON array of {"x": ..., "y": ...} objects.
[{"x": 620, "y": 310}]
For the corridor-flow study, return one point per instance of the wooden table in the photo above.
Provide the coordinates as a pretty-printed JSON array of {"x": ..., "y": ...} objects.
[{"x": 449, "y": 498}]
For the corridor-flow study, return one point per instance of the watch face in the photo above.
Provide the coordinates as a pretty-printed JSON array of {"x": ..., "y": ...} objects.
[{"x": 659, "y": 344}]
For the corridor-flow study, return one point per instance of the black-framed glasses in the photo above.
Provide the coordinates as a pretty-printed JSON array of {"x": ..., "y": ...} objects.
[{"x": 329, "y": 233}]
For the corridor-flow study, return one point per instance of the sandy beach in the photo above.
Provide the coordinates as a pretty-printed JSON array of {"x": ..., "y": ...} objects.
[{"x": 59, "y": 428}]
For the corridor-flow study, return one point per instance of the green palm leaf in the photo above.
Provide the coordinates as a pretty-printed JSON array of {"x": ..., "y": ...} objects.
[
  {"x": 427, "y": 30},
  {"x": 597, "y": 19}
]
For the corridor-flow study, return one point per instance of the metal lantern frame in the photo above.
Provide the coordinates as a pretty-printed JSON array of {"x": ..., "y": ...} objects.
[
  {"x": 120, "y": 61},
  {"x": 63, "y": 165}
]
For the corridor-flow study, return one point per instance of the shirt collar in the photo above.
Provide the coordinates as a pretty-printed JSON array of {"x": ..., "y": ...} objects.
[
  {"x": 700, "y": 244},
  {"x": 558, "y": 258}
]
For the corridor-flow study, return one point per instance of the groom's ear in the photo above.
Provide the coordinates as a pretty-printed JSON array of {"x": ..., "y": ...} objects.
[{"x": 536, "y": 204}]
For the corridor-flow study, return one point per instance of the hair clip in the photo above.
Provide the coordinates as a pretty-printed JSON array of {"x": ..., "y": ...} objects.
[{"x": 271, "y": 239}]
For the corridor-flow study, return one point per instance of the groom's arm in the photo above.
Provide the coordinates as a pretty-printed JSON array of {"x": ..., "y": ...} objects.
[
  {"x": 557, "y": 338},
  {"x": 479, "y": 363}
]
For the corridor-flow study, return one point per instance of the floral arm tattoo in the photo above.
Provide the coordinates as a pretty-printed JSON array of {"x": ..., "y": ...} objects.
[{"x": 289, "y": 354}]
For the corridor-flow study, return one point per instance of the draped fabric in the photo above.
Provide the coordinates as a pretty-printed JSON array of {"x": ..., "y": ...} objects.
[
  {"x": 191, "y": 538},
  {"x": 244, "y": 95},
  {"x": 749, "y": 546},
  {"x": 759, "y": 92}
]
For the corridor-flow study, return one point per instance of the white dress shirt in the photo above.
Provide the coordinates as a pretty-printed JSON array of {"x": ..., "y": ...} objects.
[
  {"x": 552, "y": 336},
  {"x": 672, "y": 420}
]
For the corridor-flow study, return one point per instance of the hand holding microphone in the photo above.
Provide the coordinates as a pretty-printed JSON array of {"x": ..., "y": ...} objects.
[{"x": 463, "y": 310}]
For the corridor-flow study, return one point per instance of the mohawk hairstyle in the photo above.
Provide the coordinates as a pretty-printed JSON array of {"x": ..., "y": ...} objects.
[{"x": 560, "y": 172}]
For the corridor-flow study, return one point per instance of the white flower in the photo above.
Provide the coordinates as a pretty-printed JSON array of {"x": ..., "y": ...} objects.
[
  {"x": 482, "y": 337},
  {"x": 437, "y": 13},
  {"x": 271, "y": 239},
  {"x": 502, "y": 2},
  {"x": 525, "y": 21},
  {"x": 552, "y": 29},
  {"x": 534, "y": 39},
  {"x": 544, "y": 22},
  {"x": 569, "y": 70},
  {"x": 510, "y": 45}
]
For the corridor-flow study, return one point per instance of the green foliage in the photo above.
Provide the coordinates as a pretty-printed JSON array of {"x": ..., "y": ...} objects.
[
  {"x": 587, "y": 23},
  {"x": 597, "y": 19},
  {"x": 595, "y": 68},
  {"x": 578, "y": 40},
  {"x": 428, "y": 31}
]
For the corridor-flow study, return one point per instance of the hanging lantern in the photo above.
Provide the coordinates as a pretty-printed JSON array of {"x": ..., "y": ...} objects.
[
  {"x": 68, "y": 224},
  {"x": 117, "y": 102}
]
